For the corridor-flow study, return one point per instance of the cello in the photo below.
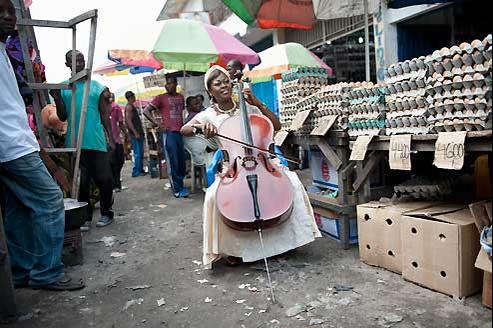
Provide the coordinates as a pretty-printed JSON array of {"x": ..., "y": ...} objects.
[{"x": 254, "y": 193}]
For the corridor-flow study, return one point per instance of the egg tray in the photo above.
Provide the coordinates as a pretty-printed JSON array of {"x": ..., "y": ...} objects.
[
  {"x": 426, "y": 188},
  {"x": 299, "y": 72},
  {"x": 421, "y": 112},
  {"x": 407, "y": 103},
  {"x": 462, "y": 125},
  {"x": 364, "y": 132},
  {"x": 419, "y": 130},
  {"x": 466, "y": 54}
]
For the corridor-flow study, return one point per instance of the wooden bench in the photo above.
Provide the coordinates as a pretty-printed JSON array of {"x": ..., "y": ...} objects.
[{"x": 8, "y": 309}]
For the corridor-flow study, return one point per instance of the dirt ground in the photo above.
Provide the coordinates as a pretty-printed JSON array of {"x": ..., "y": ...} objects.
[{"x": 159, "y": 238}]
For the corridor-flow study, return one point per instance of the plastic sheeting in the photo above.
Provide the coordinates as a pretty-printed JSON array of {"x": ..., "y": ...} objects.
[
  {"x": 267, "y": 93},
  {"x": 331, "y": 9}
]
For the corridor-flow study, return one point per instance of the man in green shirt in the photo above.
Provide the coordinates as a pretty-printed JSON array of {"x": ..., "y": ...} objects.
[{"x": 94, "y": 159}]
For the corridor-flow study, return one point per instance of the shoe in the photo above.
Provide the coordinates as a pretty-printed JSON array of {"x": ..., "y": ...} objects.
[
  {"x": 184, "y": 193},
  {"x": 117, "y": 190},
  {"x": 104, "y": 221},
  {"x": 66, "y": 283},
  {"x": 123, "y": 188},
  {"x": 86, "y": 226}
]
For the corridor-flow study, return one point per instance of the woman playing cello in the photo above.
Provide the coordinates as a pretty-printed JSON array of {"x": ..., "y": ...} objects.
[{"x": 220, "y": 239}]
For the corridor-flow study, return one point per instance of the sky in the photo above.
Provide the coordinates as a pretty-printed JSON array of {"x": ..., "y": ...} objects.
[{"x": 122, "y": 24}]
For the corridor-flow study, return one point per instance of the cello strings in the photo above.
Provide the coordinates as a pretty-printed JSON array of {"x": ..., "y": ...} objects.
[
  {"x": 266, "y": 266},
  {"x": 258, "y": 148}
]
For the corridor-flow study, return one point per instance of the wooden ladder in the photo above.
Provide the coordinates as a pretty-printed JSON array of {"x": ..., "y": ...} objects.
[{"x": 25, "y": 25}]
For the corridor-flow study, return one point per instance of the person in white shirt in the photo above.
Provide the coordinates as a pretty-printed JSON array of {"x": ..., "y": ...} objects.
[{"x": 34, "y": 211}]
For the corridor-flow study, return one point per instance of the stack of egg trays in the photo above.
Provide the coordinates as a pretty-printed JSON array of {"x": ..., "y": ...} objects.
[
  {"x": 425, "y": 188},
  {"x": 333, "y": 100},
  {"x": 407, "y": 107},
  {"x": 367, "y": 109},
  {"x": 459, "y": 87},
  {"x": 307, "y": 103},
  {"x": 298, "y": 84}
]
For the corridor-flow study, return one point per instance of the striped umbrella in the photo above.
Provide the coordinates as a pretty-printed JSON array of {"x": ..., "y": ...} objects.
[
  {"x": 283, "y": 57},
  {"x": 189, "y": 45},
  {"x": 297, "y": 14}
]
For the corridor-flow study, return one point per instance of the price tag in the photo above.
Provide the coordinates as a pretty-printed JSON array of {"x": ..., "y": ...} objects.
[
  {"x": 299, "y": 120},
  {"x": 280, "y": 137},
  {"x": 400, "y": 152},
  {"x": 449, "y": 150},
  {"x": 360, "y": 147},
  {"x": 325, "y": 124}
]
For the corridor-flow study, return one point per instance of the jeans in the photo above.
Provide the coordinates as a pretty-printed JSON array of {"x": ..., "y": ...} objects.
[
  {"x": 138, "y": 148},
  {"x": 95, "y": 166},
  {"x": 175, "y": 158},
  {"x": 117, "y": 161},
  {"x": 34, "y": 221}
]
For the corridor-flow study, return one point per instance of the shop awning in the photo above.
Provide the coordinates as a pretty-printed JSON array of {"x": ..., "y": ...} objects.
[{"x": 394, "y": 4}]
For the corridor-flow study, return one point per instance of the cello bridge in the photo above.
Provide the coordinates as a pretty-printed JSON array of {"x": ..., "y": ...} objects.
[{"x": 249, "y": 162}]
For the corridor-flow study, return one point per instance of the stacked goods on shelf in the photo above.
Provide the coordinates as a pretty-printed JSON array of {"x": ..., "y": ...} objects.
[
  {"x": 367, "y": 109},
  {"x": 424, "y": 188},
  {"x": 332, "y": 100},
  {"x": 406, "y": 101},
  {"x": 298, "y": 85},
  {"x": 459, "y": 87}
]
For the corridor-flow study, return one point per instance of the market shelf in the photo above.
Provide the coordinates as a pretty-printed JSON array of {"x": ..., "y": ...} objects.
[
  {"x": 332, "y": 204},
  {"x": 476, "y": 141}
]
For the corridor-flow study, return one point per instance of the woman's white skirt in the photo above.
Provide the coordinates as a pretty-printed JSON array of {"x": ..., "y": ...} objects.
[{"x": 220, "y": 240}]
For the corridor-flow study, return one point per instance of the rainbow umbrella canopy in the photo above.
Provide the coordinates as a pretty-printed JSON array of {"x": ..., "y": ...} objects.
[
  {"x": 111, "y": 68},
  {"x": 189, "y": 45},
  {"x": 283, "y": 57},
  {"x": 297, "y": 14}
]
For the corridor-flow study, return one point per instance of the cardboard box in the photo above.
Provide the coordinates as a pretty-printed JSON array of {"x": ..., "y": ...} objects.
[
  {"x": 439, "y": 244},
  {"x": 379, "y": 232},
  {"x": 329, "y": 224},
  {"x": 323, "y": 173}
]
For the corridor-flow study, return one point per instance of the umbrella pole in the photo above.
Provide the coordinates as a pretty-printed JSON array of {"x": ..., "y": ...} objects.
[
  {"x": 146, "y": 144},
  {"x": 367, "y": 41}
]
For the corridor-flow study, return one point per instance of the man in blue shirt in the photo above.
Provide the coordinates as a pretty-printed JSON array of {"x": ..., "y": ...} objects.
[
  {"x": 34, "y": 210},
  {"x": 94, "y": 158}
]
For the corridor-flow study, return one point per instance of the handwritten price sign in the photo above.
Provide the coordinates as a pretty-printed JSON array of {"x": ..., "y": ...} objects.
[
  {"x": 400, "y": 152},
  {"x": 360, "y": 147},
  {"x": 449, "y": 150}
]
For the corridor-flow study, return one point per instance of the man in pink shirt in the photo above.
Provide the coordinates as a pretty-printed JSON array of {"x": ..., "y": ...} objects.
[
  {"x": 171, "y": 105},
  {"x": 118, "y": 155}
]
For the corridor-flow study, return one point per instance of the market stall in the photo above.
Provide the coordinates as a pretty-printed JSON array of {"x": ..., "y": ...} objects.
[{"x": 421, "y": 139}]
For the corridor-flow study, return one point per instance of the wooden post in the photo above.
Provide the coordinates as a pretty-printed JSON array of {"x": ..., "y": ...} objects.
[
  {"x": 343, "y": 196},
  {"x": 8, "y": 308},
  {"x": 24, "y": 39},
  {"x": 85, "y": 98}
]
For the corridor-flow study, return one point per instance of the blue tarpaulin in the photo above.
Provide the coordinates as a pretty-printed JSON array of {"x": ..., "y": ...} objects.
[
  {"x": 267, "y": 93},
  {"x": 394, "y": 4}
]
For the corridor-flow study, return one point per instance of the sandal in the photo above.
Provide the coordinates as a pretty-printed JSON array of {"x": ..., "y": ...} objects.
[
  {"x": 233, "y": 261},
  {"x": 64, "y": 284}
]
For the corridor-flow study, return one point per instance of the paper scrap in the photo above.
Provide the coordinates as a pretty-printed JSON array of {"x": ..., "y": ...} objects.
[
  {"x": 117, "y": 254},
  {"x": 299, "y": 120},
  {"x": 208, "y": 300},
  {"x": 108, "y": 241},
  {"x": 138, "y": 287},
  {"x": 243, "y": 286},
  {"x": 240, "y": 301},
  {"x": 360, "y": 147},
  {"x": 133, "y": 302},
  {"x": 202, "y": 281},
  {"x": 450, "y": 150},
  {"x": 280, "y": 137},
  {"x": 197, "y": 262},
  {"x": 161, "y": 302},
  {"x": 324, "y": 126},
  {"x": 400, "y": 152}
]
